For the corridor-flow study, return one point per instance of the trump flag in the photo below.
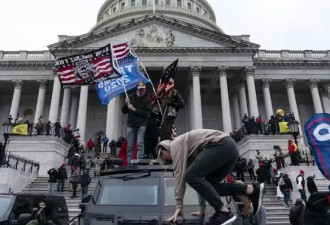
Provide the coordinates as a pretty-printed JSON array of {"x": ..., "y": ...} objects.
[
  {"x": 129, "y": 69},
  {"x": 317, "y": 130},
  {"x": 92, "y": 67}
]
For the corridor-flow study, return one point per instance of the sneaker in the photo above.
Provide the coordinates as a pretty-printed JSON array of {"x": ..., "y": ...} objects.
[
  {"x": 285, "y": 205},
  {"x": 222, "y": 218},
  {"x": 257, "y": 196}
]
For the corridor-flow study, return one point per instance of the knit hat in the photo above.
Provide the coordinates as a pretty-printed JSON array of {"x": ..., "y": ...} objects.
[
  {"x": 63, "y": 165},
  {"x": 302, "y": 172}
]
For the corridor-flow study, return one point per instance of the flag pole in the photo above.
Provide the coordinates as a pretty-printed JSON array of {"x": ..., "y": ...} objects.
[{"x": 146, "y": 73}]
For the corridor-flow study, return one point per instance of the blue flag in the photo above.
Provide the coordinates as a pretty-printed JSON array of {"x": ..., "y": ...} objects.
[
  {"x": 131, "y": 76},
  {"x": 317, "y": 130}
]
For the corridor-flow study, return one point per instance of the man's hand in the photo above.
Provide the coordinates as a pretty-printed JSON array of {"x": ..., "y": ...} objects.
[
  {"x": 178, "y": 213},
  {"x": 198, "y": 213},
  {"x": 130, "y": 107},
  {"x": 127, "y": 100}
]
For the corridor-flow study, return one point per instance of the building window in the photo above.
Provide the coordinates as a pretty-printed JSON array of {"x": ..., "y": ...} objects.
[
  {"x": 157, "y": 2},
  {"x": 144, "y": 2},
  {"x": 133, "y": 3},
  {"x": 168, "y": 2},
  {"x": 122, "y": 6},
  {"x": 179, "y": 3},
  {"x": 197, "y": 10},
  {"x": 189, "y": 6},
  {"x": 114, "y": 10}
]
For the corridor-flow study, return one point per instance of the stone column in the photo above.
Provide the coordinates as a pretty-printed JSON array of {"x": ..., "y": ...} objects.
[
  {"x": 56, "y": 94},
  {"x": 112, "y": 125},
  {"x": 198, "y": 117},
  {"x": 16, "y": 98},
  {"x": 242, "y": 98},
  {"x": 41, "y": 100},
  {"x": 65, "y": 107},
  {"x": 325, "y": 99},
  {"x": 226, "y": 116},
  {"x": 82, "y": 112},
  {"x": 73, "y": 111},
  {"x": 313, "y": 85},
  {"x": 289, "y": 83},
  {"x": 237, "y": 117},
  {"x": 252, "y": 91},
  {"x": 267, "y": 98},
  {"x": 191, "y": 108}
]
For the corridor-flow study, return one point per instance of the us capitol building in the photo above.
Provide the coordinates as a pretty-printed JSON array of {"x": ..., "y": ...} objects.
[{"x": 220, "y": 76}]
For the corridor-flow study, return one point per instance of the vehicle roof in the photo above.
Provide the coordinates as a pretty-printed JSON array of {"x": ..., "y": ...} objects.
[
  {"x": 140, "y": 168},
  {"x": 31, "y": 195}
]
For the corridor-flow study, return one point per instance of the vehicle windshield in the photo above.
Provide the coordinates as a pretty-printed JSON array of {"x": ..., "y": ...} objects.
[
  {"x": 190, "y": 197},
  {"x": 133, "y": 192},
  {"x": 5, "y": 202}
]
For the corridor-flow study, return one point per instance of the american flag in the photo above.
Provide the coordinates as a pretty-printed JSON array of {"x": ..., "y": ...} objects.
[
  {"x": 87, "y": 68},
  {"x": 121, "y": 50}
]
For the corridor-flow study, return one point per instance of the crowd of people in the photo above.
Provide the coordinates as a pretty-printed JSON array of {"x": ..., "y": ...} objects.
[{"x": 252, "y": 125}]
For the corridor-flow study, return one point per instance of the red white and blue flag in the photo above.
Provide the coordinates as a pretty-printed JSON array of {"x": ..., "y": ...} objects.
[
  {"x": 88, "y": 68},
  {"x": 317, "y": 130},
  {"x": 131, "y": 75}
]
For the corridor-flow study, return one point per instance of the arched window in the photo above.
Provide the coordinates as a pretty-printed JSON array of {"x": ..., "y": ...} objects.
[
  {"x": 114, "y": 9},
  {"x": 179, "y": 3},
  {"x": 189, "y": 6},
  {"x": 122, "y": 7},
  {"x": 144, "y": 2},
  {"x": 197, "y": 9},
  {"x": 168, "y": 2},
  {"x": 133, "y": 3}
]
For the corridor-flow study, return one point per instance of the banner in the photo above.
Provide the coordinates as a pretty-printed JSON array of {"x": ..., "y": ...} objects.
[
  {"x": 76, "y": 133},
  {"x": 92, "y": 67},
  {"x": 21, "y": 129},
  {"x": 131, "y": 76},
  {"x": 317, "y": 131},
  {"x": 284, "y": 128}
]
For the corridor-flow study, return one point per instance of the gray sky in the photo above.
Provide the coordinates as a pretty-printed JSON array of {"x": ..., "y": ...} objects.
[{"x": 274, "y": 24}]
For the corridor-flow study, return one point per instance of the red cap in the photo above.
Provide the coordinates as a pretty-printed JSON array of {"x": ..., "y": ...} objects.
[
  {"x": 302, "y": 172},
  {"x": 63, "y": 165}
]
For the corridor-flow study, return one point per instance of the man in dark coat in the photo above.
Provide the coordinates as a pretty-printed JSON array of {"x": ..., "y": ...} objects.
[
  {"x": 297, "y": 211},
  {"x": 311, "y": 184},
  {"x": 61, "y": 177},
  {"x": 52, "y": 180},
  {"x": 152, "y": 134},
  {"x": 57, "y": 129},
  {"x": 138, "y": 107},
  {"x": 85, "y": 181}
]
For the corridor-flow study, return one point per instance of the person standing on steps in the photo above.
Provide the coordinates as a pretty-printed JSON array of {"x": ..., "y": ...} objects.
[
  {"x": 62, "y": 176},
  {"x": 85, "y": 181},
  {"x": 52, "y": 180},
  {"x": 202, "y": 158},
  {"x": 301, "y": 185}
]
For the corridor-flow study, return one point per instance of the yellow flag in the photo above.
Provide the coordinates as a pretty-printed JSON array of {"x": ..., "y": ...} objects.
[
  {"x": 284, "y": 128},
  {"x": 21, "y": 129}
]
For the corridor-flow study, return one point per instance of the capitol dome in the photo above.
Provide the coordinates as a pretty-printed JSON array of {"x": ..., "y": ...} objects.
[{"x": 198, "y": 12}]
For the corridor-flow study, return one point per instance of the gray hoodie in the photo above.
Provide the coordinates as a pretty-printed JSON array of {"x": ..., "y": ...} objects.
[{"x": 183, "y": 150}]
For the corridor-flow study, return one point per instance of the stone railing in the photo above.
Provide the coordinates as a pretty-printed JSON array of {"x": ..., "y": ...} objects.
[
  {"x": 288, "y": 54},
  {"x": 25, "y": 55}
]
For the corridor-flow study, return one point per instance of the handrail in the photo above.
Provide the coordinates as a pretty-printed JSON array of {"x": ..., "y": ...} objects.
[{"x": 20, "y": 163}]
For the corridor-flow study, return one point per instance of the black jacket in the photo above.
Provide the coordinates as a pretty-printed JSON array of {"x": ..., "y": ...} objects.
[
  {"x": 62, "y": 174},
  {"x": 52, "y": 175},
  {"x": 85, "y": 180},
  {"x": 296, "y": 215},
  {"x": 311, "y": 185},
  {"x": 140, "y": 116}
]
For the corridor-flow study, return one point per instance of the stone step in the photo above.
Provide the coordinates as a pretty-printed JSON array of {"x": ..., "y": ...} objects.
[{"x": 277, "y": 219}]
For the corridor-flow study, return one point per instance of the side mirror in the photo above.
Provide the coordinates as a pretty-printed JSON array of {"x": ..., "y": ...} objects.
[
  {"x": 24, "y": 218},
  {"x": 86, "y": 199}
]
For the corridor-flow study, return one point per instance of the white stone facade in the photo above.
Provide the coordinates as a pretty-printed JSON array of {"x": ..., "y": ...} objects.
[{"x": 221, "y": 77}]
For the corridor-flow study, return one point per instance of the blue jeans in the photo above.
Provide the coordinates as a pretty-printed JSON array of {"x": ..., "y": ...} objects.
[
  {"x": 51, "y": 188},
  {"x": 133, "y": 132},
  {"x": 286, "y": 194}
]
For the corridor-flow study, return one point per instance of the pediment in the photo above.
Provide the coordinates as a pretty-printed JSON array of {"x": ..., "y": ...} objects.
[{"x": 154, "y": 32}]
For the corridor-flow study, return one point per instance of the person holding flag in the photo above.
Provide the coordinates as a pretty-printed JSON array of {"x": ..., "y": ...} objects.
[{"x": 138, "y": 107}]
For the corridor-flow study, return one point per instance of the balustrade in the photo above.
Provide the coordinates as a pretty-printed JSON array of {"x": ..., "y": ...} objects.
[{"x": 292, "y": 54}]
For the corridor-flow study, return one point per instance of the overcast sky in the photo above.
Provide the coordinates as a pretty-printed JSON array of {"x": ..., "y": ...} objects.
[{"x": 273, "y": 24}]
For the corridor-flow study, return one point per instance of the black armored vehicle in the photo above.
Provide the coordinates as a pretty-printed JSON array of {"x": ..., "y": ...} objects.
[{"x": 138, "y": 195}]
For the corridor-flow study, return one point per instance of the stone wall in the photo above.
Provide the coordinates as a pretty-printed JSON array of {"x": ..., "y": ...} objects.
[{"x": 14, "y": 180}]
